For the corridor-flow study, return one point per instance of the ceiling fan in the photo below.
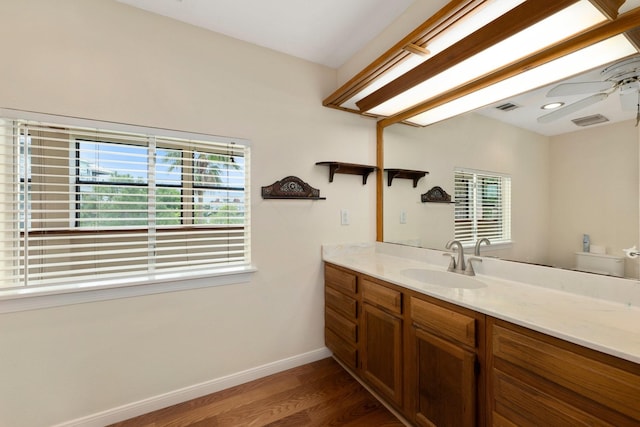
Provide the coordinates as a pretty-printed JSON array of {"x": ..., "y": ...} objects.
[{"x": 622, "y": 76}]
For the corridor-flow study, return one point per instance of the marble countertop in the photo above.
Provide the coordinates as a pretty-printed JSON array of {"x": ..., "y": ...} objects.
[{"x": 611, "y": 327}]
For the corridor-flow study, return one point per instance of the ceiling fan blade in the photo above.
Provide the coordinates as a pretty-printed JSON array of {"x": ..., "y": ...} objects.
[
  {"x": 629, "y": 100},
  {"x": 566, "y": 89},
  {"x": 571, "y": 108}
]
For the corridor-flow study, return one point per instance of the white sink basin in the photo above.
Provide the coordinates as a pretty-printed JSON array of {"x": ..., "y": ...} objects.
[{"x": 443, "y": 278}]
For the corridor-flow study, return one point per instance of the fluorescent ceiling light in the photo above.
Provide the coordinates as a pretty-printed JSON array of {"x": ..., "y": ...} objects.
[
  {"x": 590, "y": 57},
  {"x": 396, "y": 71},
  {"x": 566, "y": 23},
  {"x": 471, "y": 22}
]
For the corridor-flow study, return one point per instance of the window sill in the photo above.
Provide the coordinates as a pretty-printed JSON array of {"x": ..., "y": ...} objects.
[
  {"x": 494, "y": 246},
  {"x": 60, "y": 295}
]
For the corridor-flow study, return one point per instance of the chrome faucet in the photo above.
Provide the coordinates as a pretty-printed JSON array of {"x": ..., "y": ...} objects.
[
  {"x": 458, "y": 265},
  {"x": 476, "y": 252}
]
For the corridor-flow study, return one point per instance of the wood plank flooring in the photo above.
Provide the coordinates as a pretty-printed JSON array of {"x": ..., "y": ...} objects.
[{"x": 318, "y": 394}]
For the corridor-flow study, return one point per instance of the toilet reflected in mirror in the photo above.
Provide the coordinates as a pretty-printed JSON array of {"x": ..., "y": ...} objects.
[{"x": 600, "y": 263}]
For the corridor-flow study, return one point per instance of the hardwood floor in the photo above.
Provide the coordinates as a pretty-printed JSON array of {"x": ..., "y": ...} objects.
[{"x": 318, "y": 394}]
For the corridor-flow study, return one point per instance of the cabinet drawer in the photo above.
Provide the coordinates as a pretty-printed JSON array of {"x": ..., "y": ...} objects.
[
  {"x": 444, "y": 322},
  {"x": 519, "y": 404},
  {"x": 341, "y": 349},
  {"x": 598, "y": 381},
  {"x": 341, "y": 326},
  {"x": 341, "y": 280},
  {"x": 341, "y": 303},
  {"x": 383, "y": 297}
]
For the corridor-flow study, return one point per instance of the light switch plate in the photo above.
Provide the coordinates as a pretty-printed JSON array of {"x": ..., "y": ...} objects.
[{"x": 344, "y": 217}]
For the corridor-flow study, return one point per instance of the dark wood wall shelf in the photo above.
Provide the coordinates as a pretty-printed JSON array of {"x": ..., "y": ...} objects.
[
  {"x": 348, "y": 168},
  {"x": 291, "y": 188},
  {"x": 406, "y": 174}
]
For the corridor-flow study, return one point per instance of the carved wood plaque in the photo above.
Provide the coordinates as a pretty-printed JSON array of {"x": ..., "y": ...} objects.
[
  {"x": 436, "y": 195},
  {"x": 290, "y": 187}
]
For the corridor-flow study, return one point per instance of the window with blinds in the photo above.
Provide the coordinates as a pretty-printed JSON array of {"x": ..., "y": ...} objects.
[
  {"x": 483, "y": 206},
  {"x": 86, "y": 205}
]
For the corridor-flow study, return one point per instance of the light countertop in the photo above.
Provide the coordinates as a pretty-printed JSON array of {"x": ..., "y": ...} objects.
[{"x": 605, "y": 325}]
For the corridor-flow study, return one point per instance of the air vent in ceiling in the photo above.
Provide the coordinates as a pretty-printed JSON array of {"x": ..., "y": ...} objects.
[
  {"x": 507, "y": 107},
  {"x": 590, "y": 120}
]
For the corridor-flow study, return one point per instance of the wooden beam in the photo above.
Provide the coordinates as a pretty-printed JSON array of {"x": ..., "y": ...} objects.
[
  {"x": 634, "y": 37},
  {"x": 608, "y": 7},
  {"x": 417, "y": 49},
  {"x": 512, "y": 22},
  {"x": 626, "y": 22},
  {"x": 453, "y": 11},
  {"x": 379, "y": 182}
]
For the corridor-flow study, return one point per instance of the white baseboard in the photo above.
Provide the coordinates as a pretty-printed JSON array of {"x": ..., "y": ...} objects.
[{"x": 154, "y": 403}]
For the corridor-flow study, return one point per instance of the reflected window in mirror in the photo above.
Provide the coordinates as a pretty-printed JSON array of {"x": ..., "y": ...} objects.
[{"x": 483, "y": 206}]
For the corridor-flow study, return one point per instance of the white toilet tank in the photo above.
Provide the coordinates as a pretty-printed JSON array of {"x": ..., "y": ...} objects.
[{"x": 600, "y": 263}]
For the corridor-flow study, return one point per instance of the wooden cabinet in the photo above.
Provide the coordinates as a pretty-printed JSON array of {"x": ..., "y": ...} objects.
[
  {"x": 443, "y": 367},
  {"x": 341, "y": 314},
  {"x": 536, "y": 379},
  {"x": 381, "y": 355}
]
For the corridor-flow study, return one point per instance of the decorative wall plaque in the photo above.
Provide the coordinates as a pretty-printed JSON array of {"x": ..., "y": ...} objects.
[
  {"x": 291, "y": 187},
  {"x": 436, "y": 195}
]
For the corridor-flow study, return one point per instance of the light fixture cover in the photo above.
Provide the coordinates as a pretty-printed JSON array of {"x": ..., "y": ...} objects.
[
  {"x": 566, "y": 23},
  {"x": 606, "y": 51},
  {"x": 475, "y": 19}
]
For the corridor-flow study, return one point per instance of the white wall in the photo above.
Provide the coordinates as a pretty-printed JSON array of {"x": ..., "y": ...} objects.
[
  {"x": 102, "y": 60},
  {"x": 595, "y": 191},
  {"x": 475, "y": 142}
]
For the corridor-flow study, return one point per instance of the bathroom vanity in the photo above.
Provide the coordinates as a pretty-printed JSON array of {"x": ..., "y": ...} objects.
[{"x": 455, "y": 350}]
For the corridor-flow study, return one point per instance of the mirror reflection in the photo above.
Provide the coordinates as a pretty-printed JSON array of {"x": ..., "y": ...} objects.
[{"x": 573, "y": 179}]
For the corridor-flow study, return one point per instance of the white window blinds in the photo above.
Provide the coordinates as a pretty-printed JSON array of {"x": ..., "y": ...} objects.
[
  {"x": 85, "y": 205},
  {"x": 483, "y": 206}
]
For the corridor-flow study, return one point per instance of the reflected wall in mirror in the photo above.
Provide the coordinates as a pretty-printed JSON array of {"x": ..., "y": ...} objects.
[{"x": 564, "y": 183}]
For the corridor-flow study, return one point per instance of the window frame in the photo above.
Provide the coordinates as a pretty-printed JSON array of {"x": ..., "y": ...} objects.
[
  {"x": 468, "y": 210},
  {"x": 35, "y": 297}
]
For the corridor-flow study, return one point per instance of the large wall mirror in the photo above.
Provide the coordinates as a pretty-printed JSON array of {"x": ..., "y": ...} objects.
[{"x": 566, "y": 180}]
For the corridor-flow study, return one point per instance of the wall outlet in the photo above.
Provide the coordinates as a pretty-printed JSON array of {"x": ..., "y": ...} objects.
[
  {"x": 403, "y": 217},
  {"x": 344, "y": 217}
]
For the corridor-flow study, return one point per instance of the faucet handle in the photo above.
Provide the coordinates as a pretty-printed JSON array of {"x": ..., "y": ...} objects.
[
  {"x": 469, "y": 270},
  {"x": 452, "y": 262}
]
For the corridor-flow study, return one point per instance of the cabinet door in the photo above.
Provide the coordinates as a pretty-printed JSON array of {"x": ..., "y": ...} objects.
[
  {"x": 382, "y": 352},
  {"x": 445, "y": 382}
]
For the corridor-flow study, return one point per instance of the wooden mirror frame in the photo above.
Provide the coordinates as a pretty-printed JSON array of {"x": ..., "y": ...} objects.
[{"x": 628, "y": 23}]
